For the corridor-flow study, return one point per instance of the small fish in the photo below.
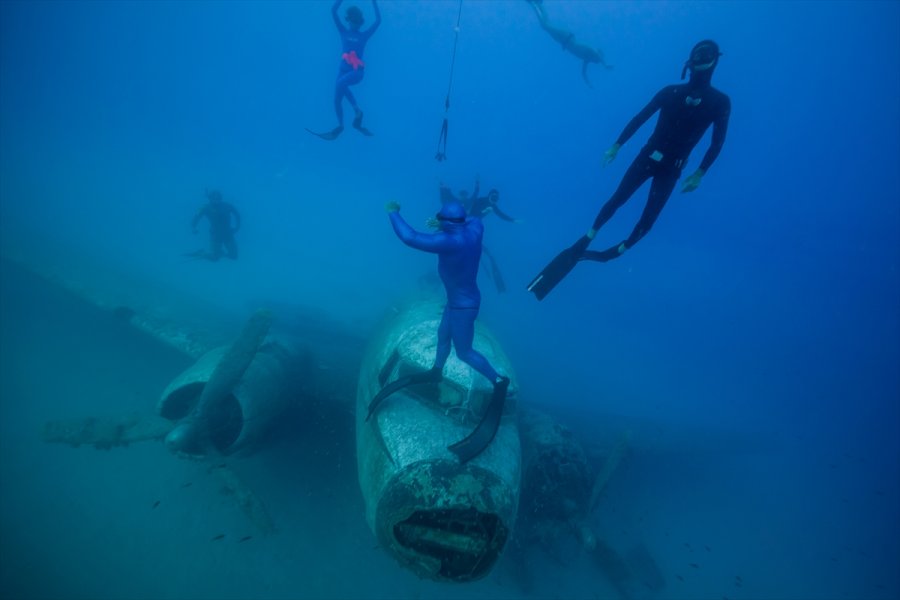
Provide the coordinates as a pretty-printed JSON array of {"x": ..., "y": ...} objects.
[
  {"x": 245, "y": 538},
  {"x": 708, "y": 549},
  {"x": 188, "y": 484},
  {"x": 688, "y": 546},
  {"x": 679, "y": 578},
  {"x": 738, "y": 577},
  {"x": 155, "y": 504},
  {"x": 694, "y": 565},
  {"x": 218, "y": 537}
]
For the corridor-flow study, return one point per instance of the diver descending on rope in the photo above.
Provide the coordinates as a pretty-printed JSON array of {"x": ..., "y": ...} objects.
[
  {"x": 566, "y": 38},
  {"x": 352, "y": 67}
]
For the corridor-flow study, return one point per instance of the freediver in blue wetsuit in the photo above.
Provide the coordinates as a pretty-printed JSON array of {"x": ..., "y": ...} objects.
[
  {"x": 352, "y": 67},
  {"x": 458, "y": 246},
  {"x": 479, "y": 206}
]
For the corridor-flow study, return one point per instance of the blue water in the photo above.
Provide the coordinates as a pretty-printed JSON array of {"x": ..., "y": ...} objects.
[{"x": 751, "y": 340}]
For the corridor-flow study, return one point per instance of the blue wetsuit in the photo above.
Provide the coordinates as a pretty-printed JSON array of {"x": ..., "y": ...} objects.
[
  {"x": 458, "y": 246},
  {"x": 353, "y": 42}
]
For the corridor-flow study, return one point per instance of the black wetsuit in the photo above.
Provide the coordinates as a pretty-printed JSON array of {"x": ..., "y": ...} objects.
[
  {"x": 221, "y": 232},
  {"x": 475, "y": 206},
  {"x": 481, "y": 207},
  {"x": 685, "y": 113}
]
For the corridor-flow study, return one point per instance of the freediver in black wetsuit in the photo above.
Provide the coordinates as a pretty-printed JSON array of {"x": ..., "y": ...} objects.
[
  {"x": 685, "y": 113},
  {"x": 475, "y": 205},
  {"x": 224, "y": 222},
  {"x": 566, "y": 39}
]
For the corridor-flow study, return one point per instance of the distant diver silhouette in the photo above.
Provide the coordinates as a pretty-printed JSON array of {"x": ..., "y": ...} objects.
[{"x": 566, "y": 38}]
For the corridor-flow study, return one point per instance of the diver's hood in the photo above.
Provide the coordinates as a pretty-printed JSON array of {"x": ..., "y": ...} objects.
[
  {"x": 451, "y": 214},
  {"x": 702, "y": 61},
  {"x": 354, "y": 16}
]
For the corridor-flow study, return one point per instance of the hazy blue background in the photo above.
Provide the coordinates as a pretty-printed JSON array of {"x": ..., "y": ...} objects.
[{"x": 758, "y": 324}]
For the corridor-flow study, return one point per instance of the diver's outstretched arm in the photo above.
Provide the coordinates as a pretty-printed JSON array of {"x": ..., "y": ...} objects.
[
  {"x": 503, "y": 215},
  {"x": 639, "y": 119},
  {"x": 539, "y": 9},
  {"x": 336, "y": 17},
  {"x": 377, "y": 18},
  {"x": 720, "y": 128}
]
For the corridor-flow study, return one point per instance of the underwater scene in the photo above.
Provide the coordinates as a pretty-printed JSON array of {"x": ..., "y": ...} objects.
[{"x": 450, "y": 299}]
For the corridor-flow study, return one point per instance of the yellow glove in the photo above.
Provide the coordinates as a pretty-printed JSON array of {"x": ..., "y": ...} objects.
[
  {"x": 693, "y": 181},
  {"x": 392, "y": 206},
  {"x": 610, "y": 155}
]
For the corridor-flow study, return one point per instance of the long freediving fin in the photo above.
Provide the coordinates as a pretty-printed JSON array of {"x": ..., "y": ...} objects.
[
  {"x": 328, "y": 135},
  {"x": 429, "y": 376},
  {"x": 474, "y": 444},
  {"x": 558, "y": 268}
]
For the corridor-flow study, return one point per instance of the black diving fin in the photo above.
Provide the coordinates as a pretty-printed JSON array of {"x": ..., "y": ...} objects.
[
  {"x": 474, "y": 444},
  {"x": 328, "y": 135},
  {"x": 558, "y": 268},
  {"x": 429, "y": 376},
  {"x": 604, "y": 255}
]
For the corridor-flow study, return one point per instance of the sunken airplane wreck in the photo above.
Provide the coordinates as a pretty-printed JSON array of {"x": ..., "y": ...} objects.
[
  {"x": 442, "y": 519},
  {"x": 438, "y": 518}
]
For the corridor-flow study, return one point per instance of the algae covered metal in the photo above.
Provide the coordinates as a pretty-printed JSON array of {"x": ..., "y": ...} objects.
[
  {"x": 557, "y": 481},
  {"x": 443, "y": 520}
]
